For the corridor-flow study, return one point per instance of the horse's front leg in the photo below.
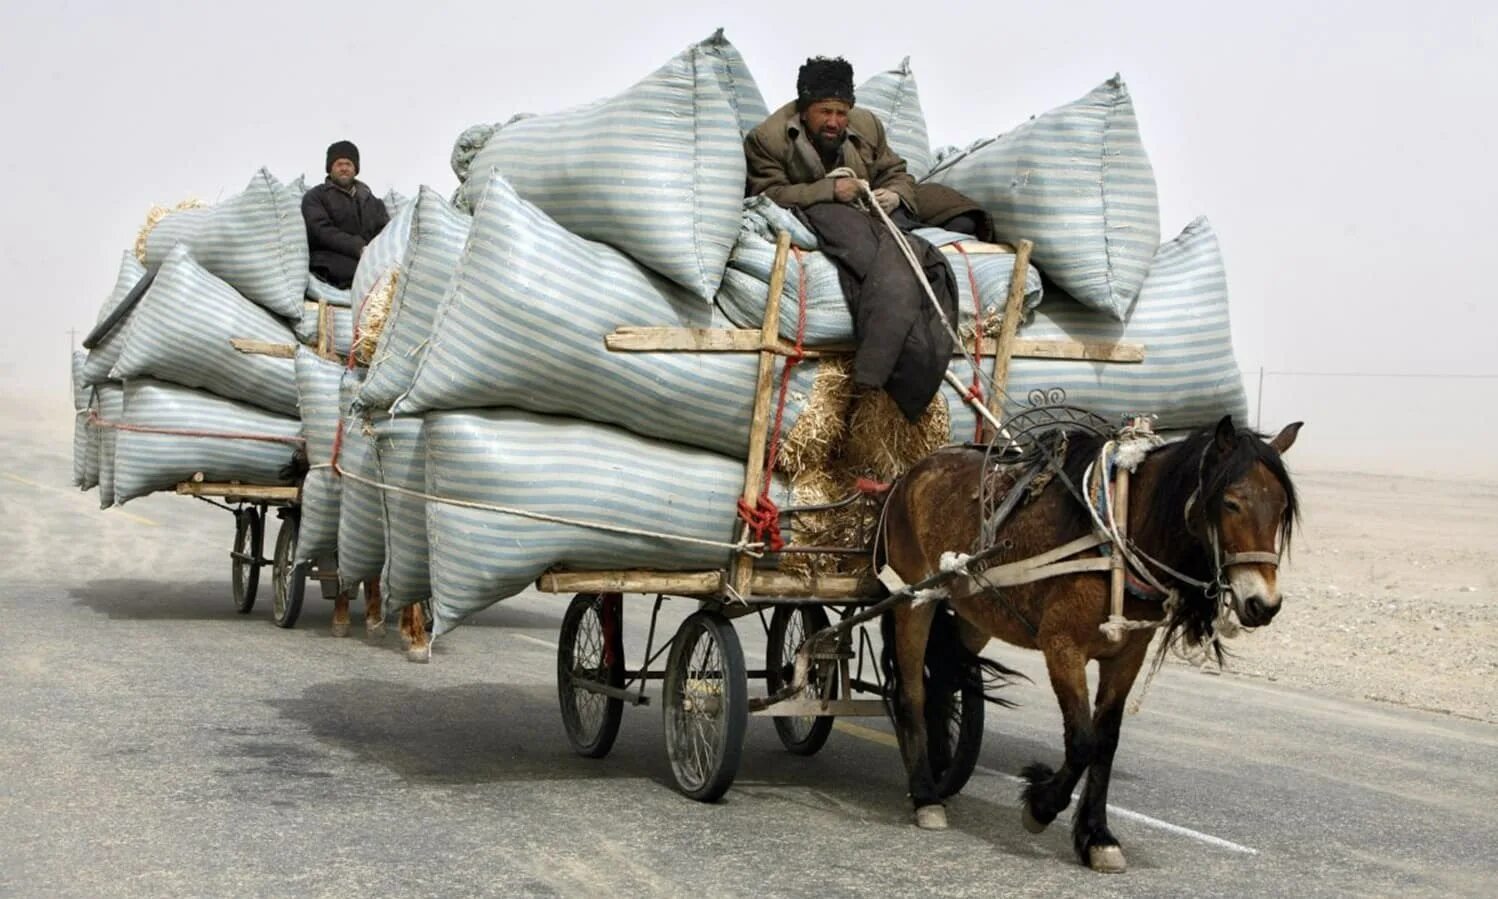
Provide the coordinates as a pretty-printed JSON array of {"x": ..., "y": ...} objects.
[
  {"x": 912, "y": 630},
  {"x": 1047, "y": 793},
  {"x": 417, "y": 646},
  {"x": 1095, "y": 844},
  {"x": 374, "y": 615}
]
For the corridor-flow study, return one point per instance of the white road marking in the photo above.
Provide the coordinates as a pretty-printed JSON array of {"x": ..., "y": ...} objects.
[
  {"x": 121, "y": 512},
  {"x": 529, "y": 639}
]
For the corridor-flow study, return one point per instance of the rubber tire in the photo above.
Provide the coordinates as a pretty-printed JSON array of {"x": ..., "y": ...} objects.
[
  {"x": 290, "y": 580},
  {"x": 964, "y": 750},
  {"x": 597, "y": 744},
  {"x": 779, "y": 671},
  {"x": 249, "y": 540},
  {"x": 733, "y": 707}
]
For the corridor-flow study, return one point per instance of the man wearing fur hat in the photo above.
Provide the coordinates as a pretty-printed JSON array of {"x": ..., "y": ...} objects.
[
  {"x": 342, "y": 216},
  {"x": 903, "y": 346}
]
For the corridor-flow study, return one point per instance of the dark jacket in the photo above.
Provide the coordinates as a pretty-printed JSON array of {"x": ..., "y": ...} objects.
[
  {"x": 339, "y": 224},
  {"x": 902, "y": 344},
  {"x": 784, "y": 166}
]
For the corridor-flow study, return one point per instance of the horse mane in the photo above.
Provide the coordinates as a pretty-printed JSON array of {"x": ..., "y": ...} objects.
[{"x": 1167, "y": 525}]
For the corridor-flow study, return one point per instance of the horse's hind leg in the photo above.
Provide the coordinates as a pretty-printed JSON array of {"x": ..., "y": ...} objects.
[
  {"x": 414, "y": 634},
  {"x": 908, "y": 696},
  {"x": 1047, "y": 793},
  {"x": 340, "y": 627},
  {"x": 374, "y": 616},
  {"x": 1095, "y": 844}
]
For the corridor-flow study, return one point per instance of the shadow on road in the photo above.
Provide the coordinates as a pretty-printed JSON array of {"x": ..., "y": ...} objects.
[{"x": 152, "y": 600}]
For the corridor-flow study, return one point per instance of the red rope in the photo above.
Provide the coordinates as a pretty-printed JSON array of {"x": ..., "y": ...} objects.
[
  {"x": 763, "y": 517},
  {"x": 975, "y": 392},
  {"x": 94, "y": 419}
]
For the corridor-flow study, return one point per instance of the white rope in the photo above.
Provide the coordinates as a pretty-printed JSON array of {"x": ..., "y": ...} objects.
[{"x": 753, "y": 549}]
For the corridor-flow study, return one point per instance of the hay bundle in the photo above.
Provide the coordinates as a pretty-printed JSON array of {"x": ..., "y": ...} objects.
[
  {"x": 883, "y": 445},
  {"x": 373, "y": 313},
  {"x": 823, "y": 425}
]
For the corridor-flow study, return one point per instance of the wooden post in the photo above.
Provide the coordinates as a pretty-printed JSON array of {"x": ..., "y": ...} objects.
[
  {"x": 759, "y": 424},
  {"x": 1120, "y": 512},
  {"x": 1008, "y": 328},
  {"x": 324, "y": 331}
]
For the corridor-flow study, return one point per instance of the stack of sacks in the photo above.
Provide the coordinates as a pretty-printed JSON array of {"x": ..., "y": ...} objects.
[
  {"x": 1189, "y": 375},
  {"x": 524, "y": 323},
  {"x": 106, "y": 352},
  {"x": 317, "y": 383},
  {"x": 1077, "y": 182},
  {"x": 234, "y": 270},
  {"x": 571, "y": 470},
  {"x": 657, "y": 171},
  {"x": 746, "y": 282},
  {"x": 85, "y": 452}
]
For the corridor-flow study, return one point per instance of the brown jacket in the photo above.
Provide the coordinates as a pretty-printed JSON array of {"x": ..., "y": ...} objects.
[{"x": 784, "y": 166}]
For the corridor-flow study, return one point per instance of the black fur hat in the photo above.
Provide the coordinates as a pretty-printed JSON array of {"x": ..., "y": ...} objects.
[
  {"x": 824, "y": 79},
  {"x": 343, "y": 149}
]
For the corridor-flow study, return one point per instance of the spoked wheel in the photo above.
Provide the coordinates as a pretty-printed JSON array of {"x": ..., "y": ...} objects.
[
  {"x": 249, "y": 543},
  {"x": 789, "y": 628},
  {"x": 290, "y": 578},
  {"x": 954, "y": 736},
  {"x": 706, "y": 699},
  {"x": 591, "y": 650}
]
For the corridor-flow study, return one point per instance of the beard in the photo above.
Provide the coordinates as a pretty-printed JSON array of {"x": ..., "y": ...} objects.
[
  {"x": 828, "y": 146},
  {"x": 343, "y": 181}
]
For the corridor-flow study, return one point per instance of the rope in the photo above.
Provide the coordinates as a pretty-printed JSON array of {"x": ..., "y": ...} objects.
[
  {"x": 96, "y": 421},
  {"x": 763, "y": 518},
  {"x": 975, "y": 392},
  {"x": 754, "y": 549}
]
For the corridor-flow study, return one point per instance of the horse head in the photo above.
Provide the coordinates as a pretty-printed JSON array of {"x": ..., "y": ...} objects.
[{"x": 1244, "y": 509}]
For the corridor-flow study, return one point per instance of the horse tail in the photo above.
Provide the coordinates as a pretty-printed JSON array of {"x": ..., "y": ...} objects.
[{"x": 951, "y": 668}]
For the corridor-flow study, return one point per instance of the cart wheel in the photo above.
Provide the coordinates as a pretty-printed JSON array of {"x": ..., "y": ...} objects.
[
  {"x": 591, "y": 648},
  {"x": 954, "y": 740},
  {"x": 249, "y": 543},
  {"x": 789, "y": 627},
  {"x": 706, "y": 699},
  {"x": 291, "y": 579}
]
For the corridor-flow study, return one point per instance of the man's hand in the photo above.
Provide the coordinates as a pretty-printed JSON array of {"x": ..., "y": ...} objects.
[
  {"x": 887, "y": 199},
  {"x": 845, "y": 189}
]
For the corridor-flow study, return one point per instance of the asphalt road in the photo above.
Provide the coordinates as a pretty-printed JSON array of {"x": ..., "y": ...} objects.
[{"x": 157, "y": 743}]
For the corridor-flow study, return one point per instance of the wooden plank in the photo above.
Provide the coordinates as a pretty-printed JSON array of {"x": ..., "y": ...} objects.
[
  {"x": 775, "y": 583},
  {"x": 978, "y": 248},
  {"x": 759, "y": 423},
  {"x": 325, "y": 331},
  {"x": 264, "y": 348},
  {"x": 675, "y": 583},
  {"x": 240, "y": 491},
  {"x": 1008, "y": 331},
  {"x": 639, "y": 339}
]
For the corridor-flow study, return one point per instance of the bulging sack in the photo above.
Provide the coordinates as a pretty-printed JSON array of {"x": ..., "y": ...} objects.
[
  {"x": 85, "y": 454},
  {"x": 383, "y": 253},
  {"x": 892, "y": 96},
  {"x": 657, "y": 171},
  {"x": 361, "y": 519},
  {"x": 106, "y": 352},
  {"x": 400, "y": 452},
  {"x": 110, "y": 398},
  {"x": 180, "y": 332},
  {"x": 438, "y": 233},
  {"x": 574, "y": 470},
  {"x": 317, "y": 382},
  {"x": 174, "y": 433},
  {"x": 524, "y": 325},
  {"x": 1189, "y": 377},
  {"x": 256, "y": 241},
  {"x": 1077, "y": 182}
]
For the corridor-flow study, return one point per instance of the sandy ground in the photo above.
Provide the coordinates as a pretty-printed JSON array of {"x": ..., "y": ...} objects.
[{"x": 1391, "y": 591}]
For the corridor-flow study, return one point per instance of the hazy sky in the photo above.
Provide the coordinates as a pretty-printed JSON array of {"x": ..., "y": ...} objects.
[{"x": 1343, "y": 151}]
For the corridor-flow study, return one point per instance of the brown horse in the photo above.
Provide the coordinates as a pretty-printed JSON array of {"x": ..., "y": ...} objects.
[
  {"x": 414, "y": 640},
  {"x": 1196, "y": 506}
]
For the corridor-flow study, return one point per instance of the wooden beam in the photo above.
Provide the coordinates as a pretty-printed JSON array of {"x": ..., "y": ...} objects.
[
  {"x": 264, "y": 348},
  {"x": 642, "y": 339},
  {"x": 706, "y": 583},
  {"x": 978, "y": 248},
  {"x": 240, "y": 491},
  {"x": 1008, "y": 331}
]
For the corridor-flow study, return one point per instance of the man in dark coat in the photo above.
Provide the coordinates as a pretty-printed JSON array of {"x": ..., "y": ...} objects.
[
  {"x": 903, "y": 346},
  {"x": 342, "y": 216}
]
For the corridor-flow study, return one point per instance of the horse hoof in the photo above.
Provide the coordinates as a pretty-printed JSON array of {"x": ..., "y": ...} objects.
[
  {"x": 405, "y": 641},
  {"x": 340, "y": 629},
  {"x": 1106, "y": 860},
  {"x": 931, "y": 817},
  {"x": 1027, "y": 818},
  {"x": 419, "y": 653},
  {"x": 374, "y": 628}
]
